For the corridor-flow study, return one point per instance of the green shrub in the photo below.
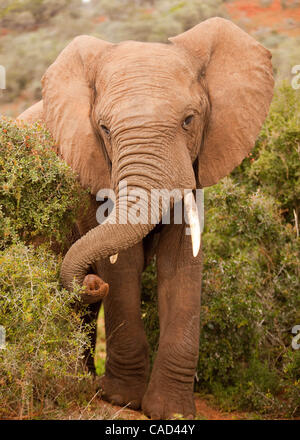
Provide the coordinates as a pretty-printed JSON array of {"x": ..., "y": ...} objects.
[
  {"x": 275, "y": 159},
  {"x": 39, "y": 194},
  {"x": 41, "y": 367},
  {"x": 251, "y": 297}
]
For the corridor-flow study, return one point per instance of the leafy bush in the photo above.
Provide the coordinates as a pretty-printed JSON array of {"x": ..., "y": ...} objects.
[
  {"x": 251, "y": 274},
  {"x": 41, "y": 367},
  {"x": 39, "y": 194},
  {"x": 251, "y": 298},
  {"x": 275, "y": 158}
]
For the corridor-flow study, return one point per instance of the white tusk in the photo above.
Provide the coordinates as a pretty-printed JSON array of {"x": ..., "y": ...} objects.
[
  {"x": 113, "y": 258},
  {"x": 193, "y": 218}
]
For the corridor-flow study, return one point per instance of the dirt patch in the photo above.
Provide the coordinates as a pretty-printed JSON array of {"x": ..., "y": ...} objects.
[
  {"x": 100, "y": 410},
  {"x": 208, "y": 411},
  {"x": 277, "y": 15}
]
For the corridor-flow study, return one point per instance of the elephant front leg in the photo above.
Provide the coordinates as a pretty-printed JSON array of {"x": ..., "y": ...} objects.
[
  {"x": 127, "y": 365},
  {"x": 170, "y": 391}
]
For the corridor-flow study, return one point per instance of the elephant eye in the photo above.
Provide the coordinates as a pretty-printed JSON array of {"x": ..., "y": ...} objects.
[
  {"x": 105, "y": 129},
  {"x": 187, "y": 121}
]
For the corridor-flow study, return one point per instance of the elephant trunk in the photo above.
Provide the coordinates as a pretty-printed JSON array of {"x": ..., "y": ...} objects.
[
  {"x": 142, "y": 171},
  {"x": 101, "y": 242}
]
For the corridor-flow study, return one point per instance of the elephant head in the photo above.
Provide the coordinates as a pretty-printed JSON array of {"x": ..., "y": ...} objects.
[{"x": 178, "y": 115}]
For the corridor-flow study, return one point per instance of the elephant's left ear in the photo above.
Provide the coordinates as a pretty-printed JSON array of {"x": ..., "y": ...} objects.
[{"x": 240, "y": 82}]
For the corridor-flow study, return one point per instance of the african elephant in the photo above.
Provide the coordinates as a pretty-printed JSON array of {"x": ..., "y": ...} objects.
[{"x": 177, "y": 115}]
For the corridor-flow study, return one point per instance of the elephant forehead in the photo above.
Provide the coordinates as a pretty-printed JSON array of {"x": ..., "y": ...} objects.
[{"x": 148, "y": 63}]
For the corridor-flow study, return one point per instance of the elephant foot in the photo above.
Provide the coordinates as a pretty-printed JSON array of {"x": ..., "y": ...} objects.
[
  {"x": 95, "y": 289},
  {"x": 122, "y": 393},
  {"x": 161, "y": 405}
]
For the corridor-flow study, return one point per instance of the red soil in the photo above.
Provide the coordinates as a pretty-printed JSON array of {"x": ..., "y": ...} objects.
[
  {"x": 276, "y": 16},
  {"x": 204, "y": 411}
]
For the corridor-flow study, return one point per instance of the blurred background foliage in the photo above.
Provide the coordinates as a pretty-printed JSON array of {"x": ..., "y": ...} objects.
[
  {"x": 251, "y": 242},
  {"x": 39, "y": 30},
  {"x": 33, "y": 32}
]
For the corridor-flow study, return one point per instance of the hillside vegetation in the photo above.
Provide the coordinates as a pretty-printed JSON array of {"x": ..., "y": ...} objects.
[{"x": 38, "y": 30}]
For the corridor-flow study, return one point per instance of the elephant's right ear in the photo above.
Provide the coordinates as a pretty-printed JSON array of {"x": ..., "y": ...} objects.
[{"x": 68, "y": 93}]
